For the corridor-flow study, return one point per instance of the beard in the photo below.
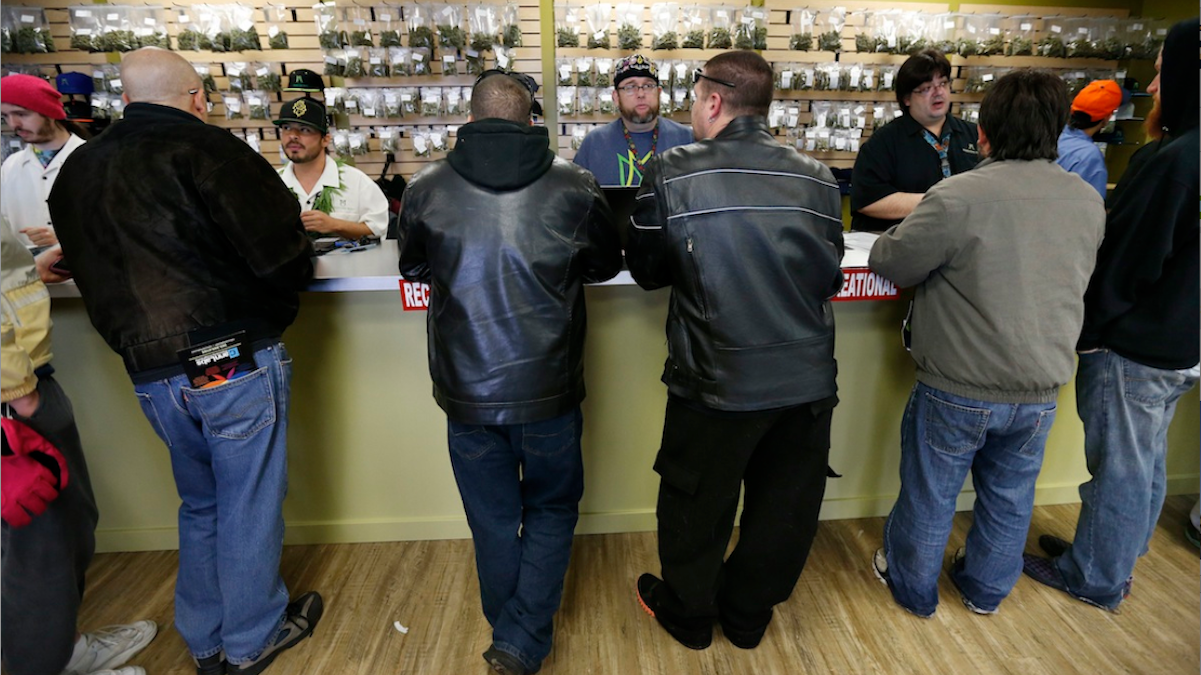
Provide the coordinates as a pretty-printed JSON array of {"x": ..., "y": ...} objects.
[
  {"x": 304, "y": 155},
  {"x": 1154, "y": 125},
  {"x": 630, "y": 114},
  {"x": 43, "y": 134}
]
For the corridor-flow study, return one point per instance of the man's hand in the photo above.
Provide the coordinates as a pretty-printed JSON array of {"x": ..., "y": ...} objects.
[
  {"x": 44, "y": 260},
  {"x": 316, "y": 221},
  {"x": 40, "y": 236},
  {"x": 27, "y": 405}
]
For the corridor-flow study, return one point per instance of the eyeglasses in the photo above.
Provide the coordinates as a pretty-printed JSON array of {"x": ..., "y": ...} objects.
[
  {"x": 927, "y": 89},
  {"x": 697, "y": 76},
  {"x": 299, "y": 129},
  {"x": 629, "y": 89}
]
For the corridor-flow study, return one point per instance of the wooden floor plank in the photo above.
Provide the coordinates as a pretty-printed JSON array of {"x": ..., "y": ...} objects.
[{"x": 840, "y": 619}]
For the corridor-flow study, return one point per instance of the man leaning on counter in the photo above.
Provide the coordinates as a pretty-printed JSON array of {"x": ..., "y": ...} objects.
[{"x": 909, "y": 155}]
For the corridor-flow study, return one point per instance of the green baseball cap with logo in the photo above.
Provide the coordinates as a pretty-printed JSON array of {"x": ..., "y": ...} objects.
[{"x": 305, "y": 110}]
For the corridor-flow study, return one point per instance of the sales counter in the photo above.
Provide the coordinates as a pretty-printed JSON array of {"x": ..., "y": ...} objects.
[{"x": 367, "y": 444}]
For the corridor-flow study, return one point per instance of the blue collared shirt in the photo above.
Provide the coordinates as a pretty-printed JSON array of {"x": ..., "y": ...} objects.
[{"x": 1080, "y": 155}]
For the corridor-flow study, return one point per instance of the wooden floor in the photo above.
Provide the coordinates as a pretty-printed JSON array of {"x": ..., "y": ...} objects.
[{"x": 840, "y": 619}]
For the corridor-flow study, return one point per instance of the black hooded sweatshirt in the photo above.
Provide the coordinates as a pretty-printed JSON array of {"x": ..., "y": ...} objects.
[
  {"x": 506, "y": 233},
  {"x": 1143, "y": 300}
]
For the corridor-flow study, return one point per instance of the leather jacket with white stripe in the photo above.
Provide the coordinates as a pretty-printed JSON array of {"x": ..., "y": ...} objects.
[{"x": 748, "y": 233}]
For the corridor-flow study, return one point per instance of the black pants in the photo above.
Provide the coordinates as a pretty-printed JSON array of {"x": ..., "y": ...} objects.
[
  {"x": 43, "y": 563},
  {"x": 706, "y": 455}
]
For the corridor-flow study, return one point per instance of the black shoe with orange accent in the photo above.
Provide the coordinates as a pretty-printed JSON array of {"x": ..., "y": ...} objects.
[{"x": 693, "y": 633}]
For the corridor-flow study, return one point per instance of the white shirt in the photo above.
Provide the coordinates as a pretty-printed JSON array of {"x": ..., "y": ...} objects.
[
  {"x": 361, "y": 201},
  {"x": 25, "y": 187}
]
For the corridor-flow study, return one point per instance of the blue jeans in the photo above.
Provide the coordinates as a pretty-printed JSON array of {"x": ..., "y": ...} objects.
[
  {"x": 521, "y": 486},
  {"x": 943, "y": 436},
  {"x": 228, "y": 449},
  {"x": 1126, "y": 408}
]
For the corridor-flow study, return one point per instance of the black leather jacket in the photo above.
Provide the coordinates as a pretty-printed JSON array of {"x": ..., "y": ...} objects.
[
  {"x": 748, "y": 234},
  {"x": 171, "y": 227},
  {"x": 506, "y": 235}
]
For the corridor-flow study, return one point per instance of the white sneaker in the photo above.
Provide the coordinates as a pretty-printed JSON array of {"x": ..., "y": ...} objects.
[
  {"x": 110, "y": 647},
  {"x": 127, "y": 670}
]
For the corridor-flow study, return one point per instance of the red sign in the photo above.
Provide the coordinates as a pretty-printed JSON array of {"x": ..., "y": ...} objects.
[
  {"x": 860, "y": 283},
  {"x": 416, "y": 297}
]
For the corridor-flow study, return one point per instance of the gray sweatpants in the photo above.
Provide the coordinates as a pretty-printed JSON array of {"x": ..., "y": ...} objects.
[{"x": 42, "y": 565}]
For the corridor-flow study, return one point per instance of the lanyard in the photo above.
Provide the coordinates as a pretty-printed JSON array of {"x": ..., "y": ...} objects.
[{"x": 941, "y": 148}]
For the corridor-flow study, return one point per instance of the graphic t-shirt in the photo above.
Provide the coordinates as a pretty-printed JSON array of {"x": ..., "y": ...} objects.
[{"x": 607, "y": 155}]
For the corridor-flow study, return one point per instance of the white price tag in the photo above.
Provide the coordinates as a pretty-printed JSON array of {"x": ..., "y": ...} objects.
[
  {"x": 246, "y": 25},
  {"x": 351, "y": 104},
  {"x": 599, "y": 35},
  {"x": 1082, "y": 31},
  {"x": 418, "y": 57},
  {"x": 1137, "y": 26},
  {"x": 149, "y": 22},
  {"x": 262, "y": 71},
  {"x": 83, "y": 12},
  {"x": 987, "y": 77},
  {"x": 115, "y": 83},
  {"x": 113, "y": 17},
  {"x": 183, "y": 18},
  {"x": 1056, "y": 29},
  {"x": 384, "y": 16},
  {"x": 406, "y": 98},
  {"x": 994, "y": 31},
  {"x": 272, "y": 31},
  {"x": 1025, "y": 26},
  {"x": 948, "y": 24},
  {"x": 786, "y": 80},
  {"x": 375, "y": 60},
  {"x": 368, "y": 112}
]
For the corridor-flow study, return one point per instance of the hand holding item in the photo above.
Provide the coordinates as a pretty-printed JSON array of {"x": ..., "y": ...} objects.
[
  {"x": 51, "y": 266},
  {"x": 40, "y": 235},
  {"x": 316, "y": 221},
  {"x": 27, "y": 479}
]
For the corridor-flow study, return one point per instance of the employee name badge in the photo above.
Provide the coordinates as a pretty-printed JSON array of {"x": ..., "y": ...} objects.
[{"x": 216, "y": 362}]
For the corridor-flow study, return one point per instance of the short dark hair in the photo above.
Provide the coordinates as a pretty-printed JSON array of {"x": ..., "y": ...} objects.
[
  {"x": 755, "y": 81},
  {"x": 1082, "y": 120},
  {"x": 918, "y": 70},
  {"x": 1023, "y": 114},
  {"x": 501, "y": 98}
]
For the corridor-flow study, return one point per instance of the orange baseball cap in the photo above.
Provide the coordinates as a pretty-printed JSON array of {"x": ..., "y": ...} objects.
[{"x": 1098, "y": 100}]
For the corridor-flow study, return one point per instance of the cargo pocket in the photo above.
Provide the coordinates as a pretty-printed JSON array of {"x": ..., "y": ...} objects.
[{"x": 676, "y": 475}]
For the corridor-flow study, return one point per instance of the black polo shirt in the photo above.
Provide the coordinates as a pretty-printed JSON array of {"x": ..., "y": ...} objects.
[{"x": 898, "y": 158}]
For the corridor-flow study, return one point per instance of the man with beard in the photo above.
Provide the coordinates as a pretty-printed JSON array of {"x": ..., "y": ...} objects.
[
  {"x": 336, "y": 200},
  {"x": 1138, "y": 348},
  {"x": 34, "y": 111},
  {"x": 617, "y": 152},
  {"x": 909, "y": 155}
]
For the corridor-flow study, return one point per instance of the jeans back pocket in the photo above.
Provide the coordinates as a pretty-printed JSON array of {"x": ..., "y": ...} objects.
[
  {"x": 238, "y": 409},
  {"x": 952, "y": 428}
]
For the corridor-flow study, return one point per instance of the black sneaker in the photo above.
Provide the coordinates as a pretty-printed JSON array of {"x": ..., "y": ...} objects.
[
  {"x": 742, "y": 638},
  {"x": 504, "y": 662},
  {"x": 692, "y": 633},
  {"x": 302, "y": 617},
  {"x": 1052, "y": 545},
  {"x": 210, "y": 665}
]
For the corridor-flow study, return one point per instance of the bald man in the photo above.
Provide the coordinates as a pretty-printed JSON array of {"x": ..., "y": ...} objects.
[{"x": 189, "y": 253}]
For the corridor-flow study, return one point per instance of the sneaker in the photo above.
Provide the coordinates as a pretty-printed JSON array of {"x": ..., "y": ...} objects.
[
  {"x": 957, "y": 565},
  {"x": 210, "y": 665},
  {"x": 742, "y": 639},
  {"x": 301, "y": 618},
  {"x": 692, "y": 633},
  {"x": 1055, "y": 547},
  {"x": 1052, "y": 545},
  {"x": 1044, "y": 571},
  {"x": 110, "y": 647},
  {"x": 127, "y": 670},
  {"x": 1191, "y": 533},
  {"x": 504, "y": 663},
  {"x": 880, "y": 569}
]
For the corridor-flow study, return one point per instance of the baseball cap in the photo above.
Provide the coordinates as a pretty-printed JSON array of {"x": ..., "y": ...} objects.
[
  {"x": 635, "y": 65},
  {"x": 305, "y": 110},
  {"x": 303, "y": 79},
  {"x": 1098, "y": 100}
]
